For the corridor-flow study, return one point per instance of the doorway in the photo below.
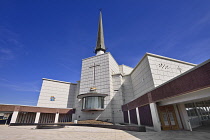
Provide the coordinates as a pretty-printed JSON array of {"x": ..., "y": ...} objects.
[{"x": 168, "y": 117}]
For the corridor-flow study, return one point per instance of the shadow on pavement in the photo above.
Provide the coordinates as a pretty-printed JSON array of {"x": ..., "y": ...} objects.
[{"x": 202, "y": 129}]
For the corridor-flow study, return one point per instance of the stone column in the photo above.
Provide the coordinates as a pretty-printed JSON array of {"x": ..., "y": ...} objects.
[
  {"x": 155, "y": 117},
  {"x": 74, "y": 117},
  {"x": 138, "y": 117},
  {"x": 56, "y": 117},
  {"x": 14, "y": 117},
  {"x": 184, "y": 116},
  {"x": 37, "y": 117},
  {"x": 129, "y": 118}
]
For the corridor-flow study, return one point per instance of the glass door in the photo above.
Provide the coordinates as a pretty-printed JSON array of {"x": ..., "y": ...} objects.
[{"x": 168, "y": 118}]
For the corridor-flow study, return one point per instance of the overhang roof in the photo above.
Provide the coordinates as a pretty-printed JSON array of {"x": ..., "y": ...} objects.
[
  {"x": 90, "y": 94},
  {"x": 20, "y": 108}
]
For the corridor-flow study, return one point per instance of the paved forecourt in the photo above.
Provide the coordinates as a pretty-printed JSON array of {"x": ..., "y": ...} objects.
[{"x": 92, "y": 133}]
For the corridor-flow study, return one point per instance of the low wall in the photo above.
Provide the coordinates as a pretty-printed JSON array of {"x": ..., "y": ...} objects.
[{"x": 120, "y": 127}]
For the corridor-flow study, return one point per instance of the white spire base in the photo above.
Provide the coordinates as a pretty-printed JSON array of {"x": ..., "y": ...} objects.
[{"x": 100, "y": 52}]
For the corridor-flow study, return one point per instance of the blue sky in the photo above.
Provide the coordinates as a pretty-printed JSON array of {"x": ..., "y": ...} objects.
[{"x": 49, "y": 38}]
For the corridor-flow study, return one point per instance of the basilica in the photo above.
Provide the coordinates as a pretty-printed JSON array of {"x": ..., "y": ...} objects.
[{"x": 160, "y": 93}]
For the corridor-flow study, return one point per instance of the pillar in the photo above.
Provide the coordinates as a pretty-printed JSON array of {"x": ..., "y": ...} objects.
[
  {"x": 178, "y": 116},
  {"x": 37, "y": 117},
  {"x": 56, "y": 117},
  {"x": 14, "y": 117},
  {"x": 184, "y": 116},
  {"x": 138, "y": 117},
  {"x": 155, "y": 117},
  {"x": 74, "y": 117},
  {"x": 129, "y": 118}
]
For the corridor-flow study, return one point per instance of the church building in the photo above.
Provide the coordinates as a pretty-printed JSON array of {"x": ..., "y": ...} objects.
[{"x": 159, "y": 92}]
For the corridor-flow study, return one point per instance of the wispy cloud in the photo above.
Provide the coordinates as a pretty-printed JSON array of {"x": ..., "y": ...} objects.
[
  {"x": 200, "y": 51},
  {"x": 9, "y": 45},
  {"x": 69, "y": 68},
  {"x": 25, "y": 86},
  {"x": 179, "y": 35}
]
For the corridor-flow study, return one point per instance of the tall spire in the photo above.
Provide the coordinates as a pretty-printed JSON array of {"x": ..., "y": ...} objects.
[{"x": 100, "y": 46}]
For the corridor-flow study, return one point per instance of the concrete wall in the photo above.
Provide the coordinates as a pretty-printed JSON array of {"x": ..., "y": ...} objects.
[
  {"x": 63, "y": 92},
  {"x": 142, "y": 78},
  {"x": 154, "y": 70},
  {"x": 72, "y": 95},
  {"x": 103, "y": 83},
  {"x": 102, "y": 76},
  {"x": 164, "y": 69},
  {"x": 117, "y": 100},
  {"x": 127, "y": 89},
  {"x": 124, "y": 70}
]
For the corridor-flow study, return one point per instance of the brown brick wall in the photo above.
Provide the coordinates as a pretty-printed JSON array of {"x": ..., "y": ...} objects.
[
  {"x": 138, "y": 102},
  {"x": 7, "y": 107}
]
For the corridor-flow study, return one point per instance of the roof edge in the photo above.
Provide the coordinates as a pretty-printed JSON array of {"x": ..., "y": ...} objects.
[
  {"x": 159, "y": 56},
  {"x": 58, "y": 81},
  {"x": 95, "y": 56},
  {"x": 34, "y": 106},
  {"x": 168, "y": 58}
]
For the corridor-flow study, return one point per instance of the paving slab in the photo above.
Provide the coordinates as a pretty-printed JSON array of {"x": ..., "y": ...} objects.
[{"x": 93, "y": 133}]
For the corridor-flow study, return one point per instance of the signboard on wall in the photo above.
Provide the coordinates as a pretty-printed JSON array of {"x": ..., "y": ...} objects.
[{"x": 52, "y": 98}]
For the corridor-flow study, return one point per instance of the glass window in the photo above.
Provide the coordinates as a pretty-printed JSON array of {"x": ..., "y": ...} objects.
[
  {"x": 165, "y": 119},
  {"x": 93, "y": 102},
  {"x": 198, "y": 112},
  {"x": 192, "y": 114},
  {"x": 202, "y": 110},
  {"x": 207, "y": 105}
]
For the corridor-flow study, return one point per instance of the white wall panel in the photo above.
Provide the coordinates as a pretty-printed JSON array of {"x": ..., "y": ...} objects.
[
  {"x": 142, "y": 78},
  {"x": 164, "y": 69},
  {"x": 63, "y": 92}
]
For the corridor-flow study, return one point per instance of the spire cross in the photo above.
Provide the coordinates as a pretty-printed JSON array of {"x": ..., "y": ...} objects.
[{"x": 94, "y": 73}]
